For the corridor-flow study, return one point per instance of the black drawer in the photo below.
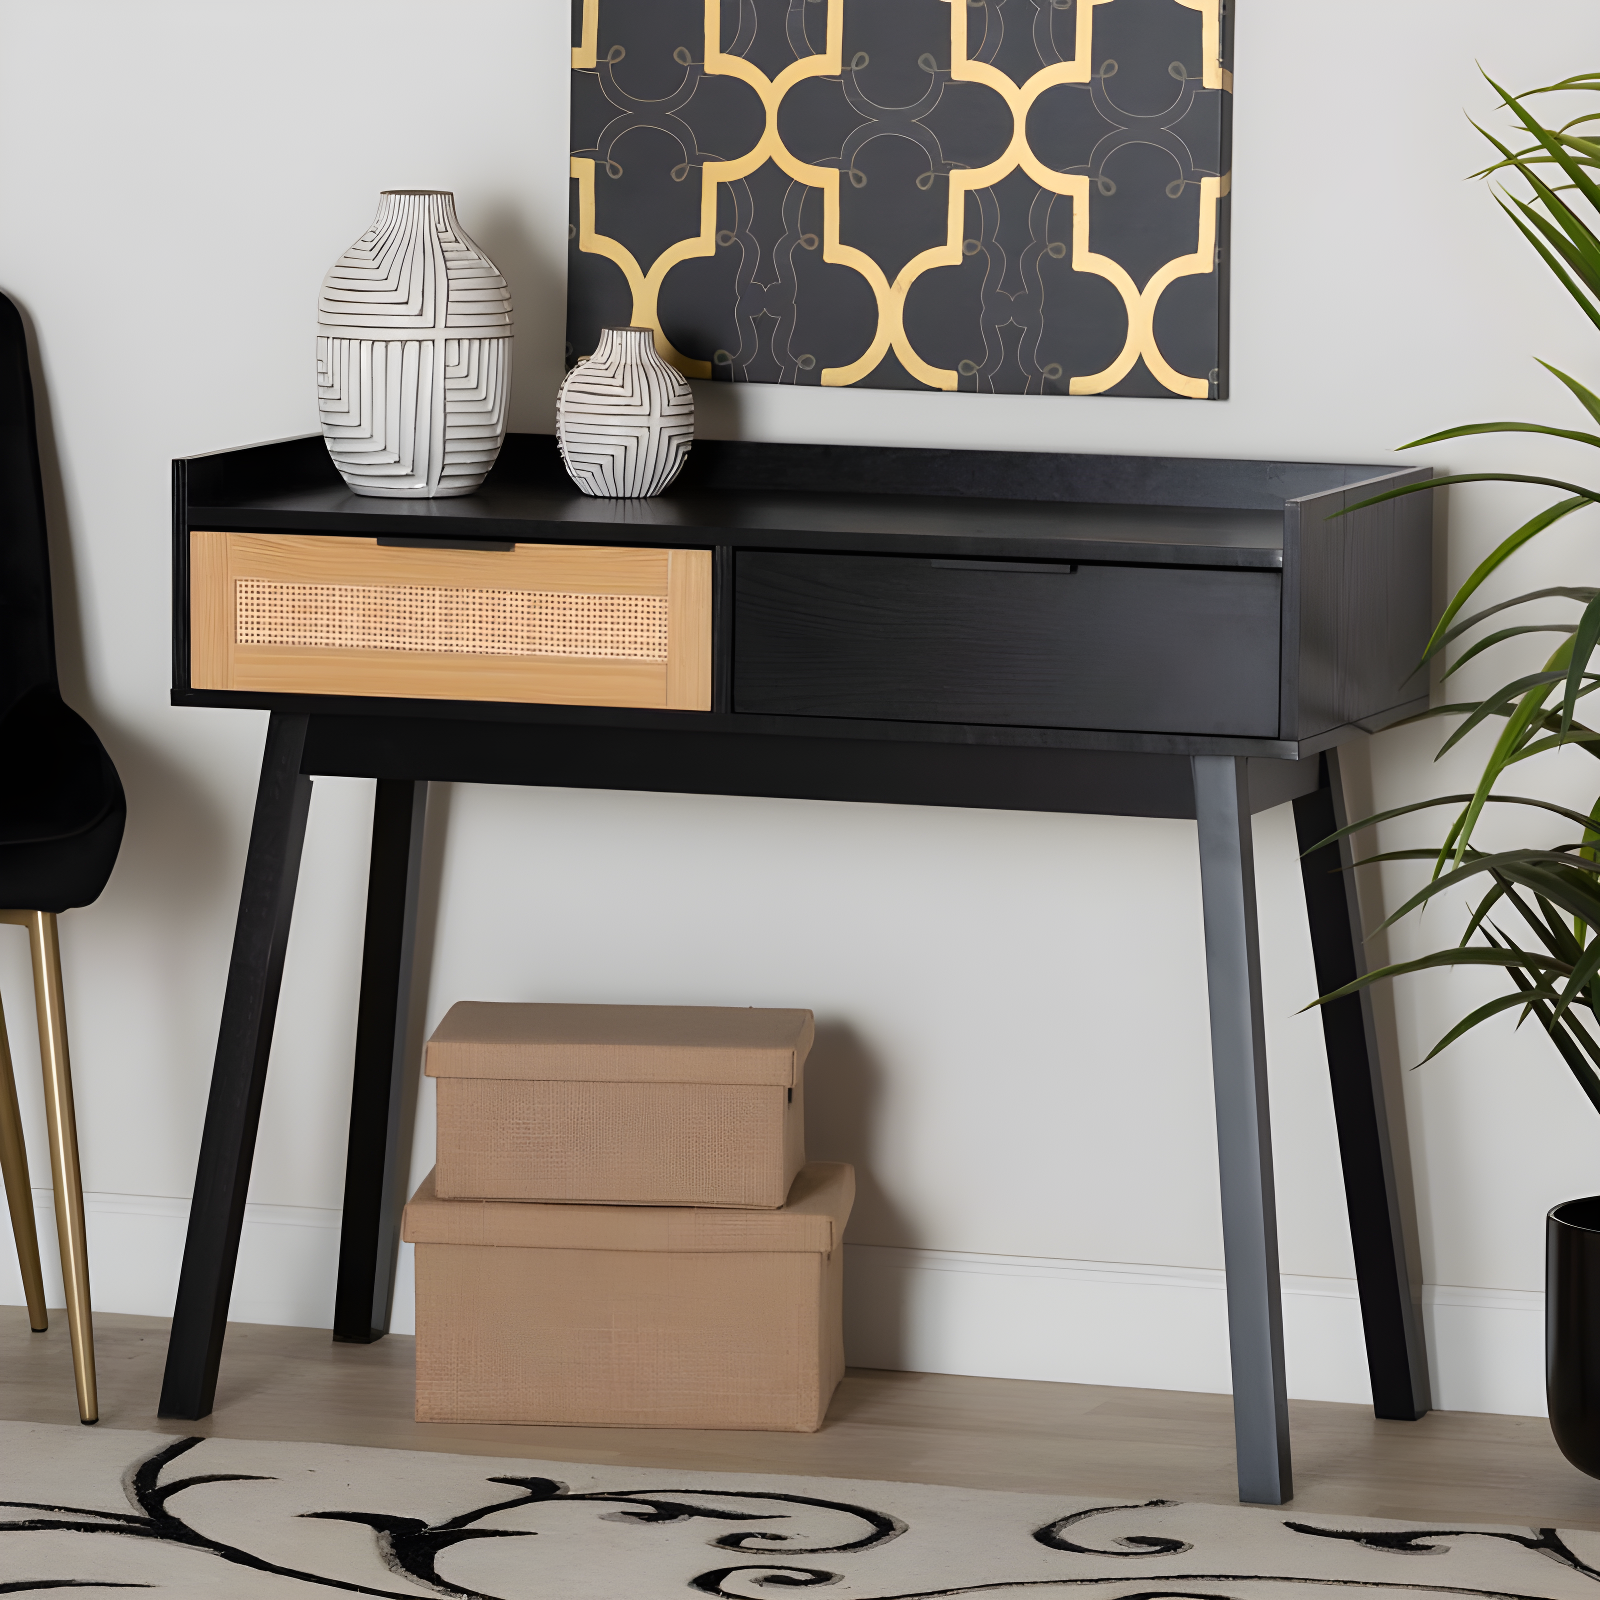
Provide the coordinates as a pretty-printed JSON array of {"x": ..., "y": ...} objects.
[{"x": 1147, "y": 649}]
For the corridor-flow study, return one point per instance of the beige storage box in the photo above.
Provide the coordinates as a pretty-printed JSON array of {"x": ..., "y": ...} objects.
[
  {"x": 636, "y": 1317},
  {"x": 620, "y": 1105}
]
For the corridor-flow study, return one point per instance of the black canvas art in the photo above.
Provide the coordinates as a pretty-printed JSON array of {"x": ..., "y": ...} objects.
[{"x": 992, "y": 196}]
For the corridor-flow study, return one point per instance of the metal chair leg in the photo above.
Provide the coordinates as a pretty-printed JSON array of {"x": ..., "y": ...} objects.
[
  {"x": 63, "y": 1131},
  {"x": 19, "y": 1191}
]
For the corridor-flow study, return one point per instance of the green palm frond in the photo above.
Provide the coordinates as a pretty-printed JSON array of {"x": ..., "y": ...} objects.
[{"x": 1547, "y": 181}]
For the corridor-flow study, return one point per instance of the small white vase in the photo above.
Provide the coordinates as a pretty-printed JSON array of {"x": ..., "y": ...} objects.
[
  {"x": 624, "y": 417},
  {"x": 414, "y": 353}
]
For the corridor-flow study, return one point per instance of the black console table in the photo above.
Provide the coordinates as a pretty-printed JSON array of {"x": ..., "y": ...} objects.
[{"x": 1144, "y": 637}]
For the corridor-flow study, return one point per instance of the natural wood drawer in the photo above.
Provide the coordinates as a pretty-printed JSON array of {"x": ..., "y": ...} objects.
[{"x": 556, "y": 624}]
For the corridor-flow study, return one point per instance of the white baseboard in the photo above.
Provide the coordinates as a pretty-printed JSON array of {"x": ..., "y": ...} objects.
[
  {"x": 907, "y": 1310},
  {"x": 1166, "y": 1327},
  {"x": 1485, "y": 1349},
  {"x": 288, "y": 1258}
]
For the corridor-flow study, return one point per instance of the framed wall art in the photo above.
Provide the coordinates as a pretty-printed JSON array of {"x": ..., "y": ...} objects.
[{"x": 991, "y": 196}]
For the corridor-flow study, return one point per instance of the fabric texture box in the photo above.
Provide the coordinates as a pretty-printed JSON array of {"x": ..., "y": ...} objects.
[
  {"x": 620, "y": 1105},
  {"x": 616, "y": 1316}
]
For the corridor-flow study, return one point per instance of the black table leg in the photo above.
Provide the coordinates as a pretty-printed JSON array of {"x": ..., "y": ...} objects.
[
  {"x": 1396, "y": 1357},
  {"x": 1244, "y": 1129},
  {"x": 372, "y": 1196},
  {"x": 244, "y": 1042}
]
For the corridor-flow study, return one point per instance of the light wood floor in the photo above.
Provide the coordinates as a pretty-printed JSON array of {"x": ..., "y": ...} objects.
[{"x": 988, "y": 1433}]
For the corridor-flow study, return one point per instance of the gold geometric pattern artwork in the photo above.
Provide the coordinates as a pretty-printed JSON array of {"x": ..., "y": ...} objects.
[{"x": 1114, "y": 112}]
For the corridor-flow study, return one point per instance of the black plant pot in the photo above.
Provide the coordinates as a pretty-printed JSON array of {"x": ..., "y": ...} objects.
[{"x": 1572, "y": 1330}]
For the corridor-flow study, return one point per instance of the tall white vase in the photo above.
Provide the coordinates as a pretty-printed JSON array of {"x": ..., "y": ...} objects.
[
  {"x": 624, "y": 417},
  {"x": 414, "y": 353}
]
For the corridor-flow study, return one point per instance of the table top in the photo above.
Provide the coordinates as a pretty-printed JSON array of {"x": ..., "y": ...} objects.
[{"x": 964, "y": 504}]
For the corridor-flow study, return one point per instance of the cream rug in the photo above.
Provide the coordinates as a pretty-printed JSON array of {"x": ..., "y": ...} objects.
[{"x": 101, "y": 1511}]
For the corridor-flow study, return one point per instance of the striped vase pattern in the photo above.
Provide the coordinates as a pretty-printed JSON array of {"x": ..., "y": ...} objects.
[
  {"x": 414, "y": 353},
  {"x": 624, "y": 418}
]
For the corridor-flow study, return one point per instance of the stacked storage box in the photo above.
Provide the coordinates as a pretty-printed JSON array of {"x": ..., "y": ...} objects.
[{"x": 621, "y": 1228}]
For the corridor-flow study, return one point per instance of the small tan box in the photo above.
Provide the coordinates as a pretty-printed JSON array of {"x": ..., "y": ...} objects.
[
  {"x": 620, "y": 1105},
  {"x": 636, "y": 1317}
]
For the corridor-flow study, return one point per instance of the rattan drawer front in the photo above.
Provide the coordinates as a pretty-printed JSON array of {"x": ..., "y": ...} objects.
[{"x": 558, "y": 624}]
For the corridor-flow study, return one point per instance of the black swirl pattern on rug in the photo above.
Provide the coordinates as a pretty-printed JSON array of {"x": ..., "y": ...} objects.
[
  {"x": 775, "y": 1577},
  {"x": 152, "y": 1519},
  {"x": 1053, "y": 1534},
  {"x": 39, "y": 1585},
  {"x": 1404, "y": 1541},
  {"x": 1543, "y": 1541},
  {"x": 411, "y": 1547}
]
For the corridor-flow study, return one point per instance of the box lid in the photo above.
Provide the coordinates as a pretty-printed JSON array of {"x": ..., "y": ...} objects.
[
  {"x": 812, "y": 1221},
  {"x": 620, "y": 1044}
]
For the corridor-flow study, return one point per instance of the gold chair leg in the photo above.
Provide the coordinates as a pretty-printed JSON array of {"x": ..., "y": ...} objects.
[
  {"x": 19, "y": 1190},
  {"x": 63, "y": 1130}
]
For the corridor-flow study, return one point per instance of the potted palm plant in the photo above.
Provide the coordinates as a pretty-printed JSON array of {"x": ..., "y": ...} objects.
[{"x": 1537, "y": 910}]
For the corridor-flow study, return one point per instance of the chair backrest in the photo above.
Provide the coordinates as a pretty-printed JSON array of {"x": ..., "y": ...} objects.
[{"x": 27, "y": 633}]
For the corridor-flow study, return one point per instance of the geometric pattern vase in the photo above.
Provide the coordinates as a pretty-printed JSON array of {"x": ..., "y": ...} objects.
[
  {"x": 624, "y": 418},
  {"x": 414, "y": 353}
]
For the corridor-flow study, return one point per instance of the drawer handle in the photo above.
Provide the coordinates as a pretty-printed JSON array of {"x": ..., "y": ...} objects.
[
  {"x": 1060, "y": 568},
  {"x": 401, "y": 542}
]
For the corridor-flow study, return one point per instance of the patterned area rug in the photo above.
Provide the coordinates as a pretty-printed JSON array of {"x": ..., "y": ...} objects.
[{"x": 98, "y": 1510}]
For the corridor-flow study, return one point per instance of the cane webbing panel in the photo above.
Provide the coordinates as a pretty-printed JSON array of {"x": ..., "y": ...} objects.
[{"x": 447, "y": 621}]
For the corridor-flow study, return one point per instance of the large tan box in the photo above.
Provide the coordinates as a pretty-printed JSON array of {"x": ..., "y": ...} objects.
[
  {"x": 620, "y": 1105},
  {"x": 639, "y": 1317}
]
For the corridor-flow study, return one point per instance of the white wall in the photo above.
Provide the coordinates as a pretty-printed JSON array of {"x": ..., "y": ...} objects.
[{"x": 1011, "y": 1012}]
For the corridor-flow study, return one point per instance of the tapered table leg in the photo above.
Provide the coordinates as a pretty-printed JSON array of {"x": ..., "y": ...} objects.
[
  {"x": 1244, "y": 1130},
  {"x": 1396, "y": 1357},
  {"x": 19, "y": 1189},
  {"x": 244, "y": 1041},
  {"x": 62, "y": 1128},
  {"x": 372, "y": 1180}
]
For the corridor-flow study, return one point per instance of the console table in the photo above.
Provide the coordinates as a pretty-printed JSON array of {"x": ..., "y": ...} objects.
[{"x": 1139, "y": 636}]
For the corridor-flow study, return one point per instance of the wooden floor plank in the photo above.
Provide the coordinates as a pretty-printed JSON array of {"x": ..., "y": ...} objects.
[{"x": 988, "y": 1433}]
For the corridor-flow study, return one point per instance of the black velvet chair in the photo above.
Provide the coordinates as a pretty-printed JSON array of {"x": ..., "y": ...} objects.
[{"x": 61, "y": 818}]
